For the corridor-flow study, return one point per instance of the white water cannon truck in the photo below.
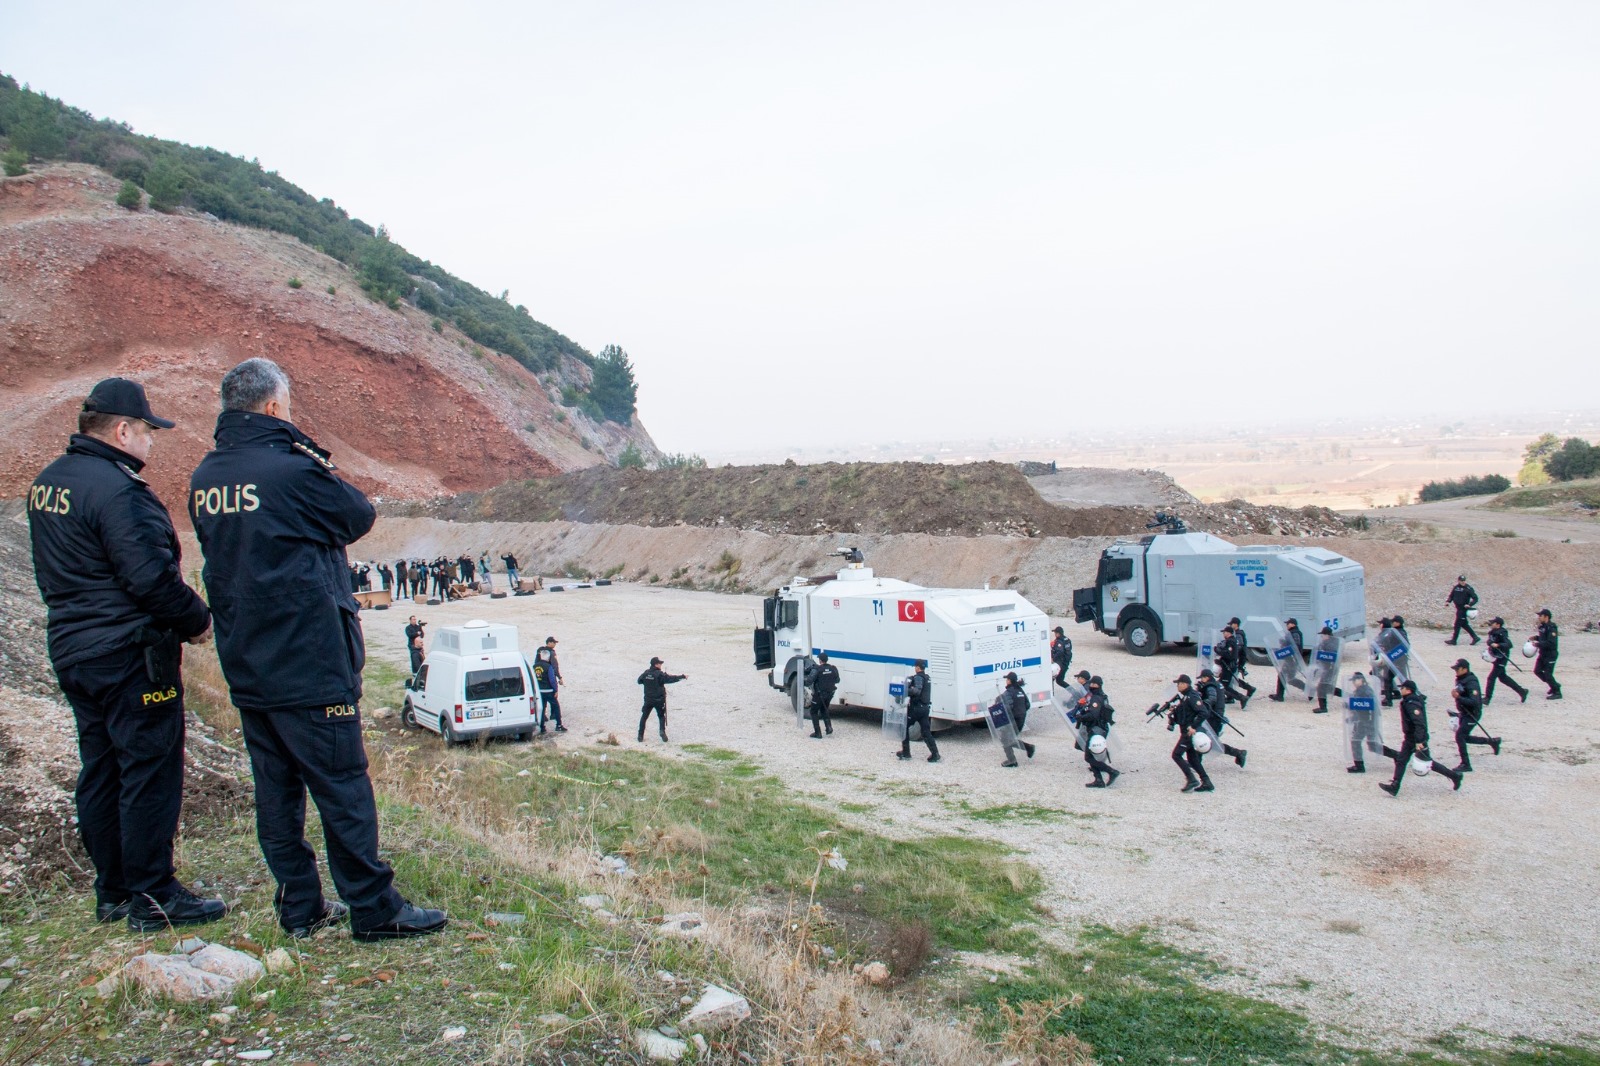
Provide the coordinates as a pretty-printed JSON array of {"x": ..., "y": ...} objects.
[
  {"x": 1180, "y": 587},
  {"x": 874, "y": 629}
]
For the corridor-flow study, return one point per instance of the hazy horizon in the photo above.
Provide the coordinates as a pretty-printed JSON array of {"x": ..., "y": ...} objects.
[{"x": 849, "y": 225}]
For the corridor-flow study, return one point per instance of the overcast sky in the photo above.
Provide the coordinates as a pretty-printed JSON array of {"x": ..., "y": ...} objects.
[{"x": 840, "y": 222}]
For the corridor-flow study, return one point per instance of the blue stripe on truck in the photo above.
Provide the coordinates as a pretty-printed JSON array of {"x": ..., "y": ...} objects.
[
  {"x": 1020, "y": 664},
  {"x": 864, "y": 658}
]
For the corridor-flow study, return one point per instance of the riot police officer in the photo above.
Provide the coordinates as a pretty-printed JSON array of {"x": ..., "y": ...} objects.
[
  {"x": 655, "y": 681},
  {"x": 1231, "y": 661},
  {"x": 919, "y": 710},
  {"x": 1216, "y": 711},
  {"x": 1548, "y": 641},
  {"x": 106, "y": 560},
  {"x": 823, "y": 677},
  {"x": 1061, "y": 655},
  {"x": 1186, "y": 715},
  {"x": 1464, "y": 597},
  {"x": 273, "y": 520},
  {"x": 1291, "y": 625},
  {"x": 1096, "y": 716},
  {"x": 1468, "y": 713},
  {"x": 1500, "y": 656},
  {"x": 1414, "y": 739}
]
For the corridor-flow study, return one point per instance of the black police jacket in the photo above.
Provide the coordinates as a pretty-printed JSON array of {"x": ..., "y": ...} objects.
[
  {"x": 1414, "y": 720},
  {"x": 1463, "y": 596},
  {"x": 1548, "y": 641},
  {"x": 1499, "y": 645},
  {"x": 105, "y": 555},
  {"x": 655, "y": 681},
  {"x": 1189, "y": 711},
  {"x": 1469, "y": 695},
  {"x": 273, "y": 520},
  {"x": 919, "y": 694},
  {"x": 824, "y": 679}
]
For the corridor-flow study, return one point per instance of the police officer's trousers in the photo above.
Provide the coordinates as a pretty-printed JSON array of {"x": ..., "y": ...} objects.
[
  {"x": 550, "y": 709},
  {"x": 1462, "y": 623},
  {"x": 921, "y": 718},
  {"x": 1499, "y": 674},
  {"x": 1545, "y": 670},
  {"x": 660, "y": 707},
  {"x": 320, "y": 750},
  {"x": 130, "y": 741}
]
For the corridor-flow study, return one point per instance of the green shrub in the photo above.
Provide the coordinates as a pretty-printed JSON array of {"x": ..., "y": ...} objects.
[
  {"x": 15, "y": 161},
  {"x": 130, "y": 196},
  {"x": 1576, "y": 458},
  {"x": 295, "y": 283},
  {"x": 682, "y": 462},
  {"x": 631, "y": 458},
  {"x": 1483, "y": 485},
  {"x": 438, "y": 325}
]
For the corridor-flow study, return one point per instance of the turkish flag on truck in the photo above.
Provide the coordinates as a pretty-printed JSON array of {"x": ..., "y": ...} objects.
[{"x": 911, "y": 611}]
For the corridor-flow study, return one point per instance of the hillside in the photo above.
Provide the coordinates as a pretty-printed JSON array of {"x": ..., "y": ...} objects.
[
  {"x": 974, "y": 499},
  {"x": 88, "y": 290}
]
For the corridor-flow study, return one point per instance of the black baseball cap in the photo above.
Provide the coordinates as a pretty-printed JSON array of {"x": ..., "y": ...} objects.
[
  {"x": 654, "y": 661},
  {"x": 1012, "y": 676},
  {"x": 1462, "y": 664},
  {"x": 1182, "y": 679},
  {"x": 119, "y": 396}
]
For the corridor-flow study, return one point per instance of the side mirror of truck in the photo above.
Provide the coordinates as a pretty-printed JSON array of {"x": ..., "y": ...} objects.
[{"x": 411, "y": 684}]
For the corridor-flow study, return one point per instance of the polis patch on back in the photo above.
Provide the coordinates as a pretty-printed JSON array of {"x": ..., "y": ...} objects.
[{"x": 225, "y": 499}]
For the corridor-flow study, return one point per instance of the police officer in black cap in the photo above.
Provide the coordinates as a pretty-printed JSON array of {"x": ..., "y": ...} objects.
[
  {"x": 1500, "y": 656},
  {"x": 273, "y": 521},
  {"x": 655, "y": 681},
  {"x": 823, "y": 677},
  {"x": 1186, "y": 715},
  {"x": 1468, "y": 714},
  {"x": 1299, "y": 638},
  {"x": 1414, "y": 740},
  {"x": 1548, "y": 643},
  {"x": 107, "y": 563},
  {"x": 1061, "y": 655},
  {"x": 919, "y": 711},
  {"x": 1464, "y": 597}
]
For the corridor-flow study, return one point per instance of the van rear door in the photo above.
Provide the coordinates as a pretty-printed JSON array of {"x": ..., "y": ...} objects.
[{"x": 496, "y": 695}]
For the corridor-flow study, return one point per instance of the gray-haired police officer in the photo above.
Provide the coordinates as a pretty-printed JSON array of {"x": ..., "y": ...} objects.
[
  {"x": 106, "y": 560},
  {"x": 273, "y": 521}
]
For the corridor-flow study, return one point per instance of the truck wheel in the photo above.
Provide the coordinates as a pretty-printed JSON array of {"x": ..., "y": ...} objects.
[
  {"x": 408, "y": 715},
  {"x": 447, "y": 731},
  {"x": 1139, "y": 636}
]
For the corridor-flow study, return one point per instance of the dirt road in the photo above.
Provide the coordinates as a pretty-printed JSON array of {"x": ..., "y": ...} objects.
[
  {"x": 1468, "y": 912},
  {"x": 1469, "y": 513}
]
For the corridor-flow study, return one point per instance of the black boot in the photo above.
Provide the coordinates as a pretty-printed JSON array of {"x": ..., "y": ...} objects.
[
  {"x": 1356, "y": 768},
  {"x": 1205, "y": 783},
  {"x": 1391, "y": 787},
  {"x": 1322, "y": 705},
  {"x": 1190, "y": 783},
  {"x": 147, "y": 914},
  {"x": 1098, "y": 782}
]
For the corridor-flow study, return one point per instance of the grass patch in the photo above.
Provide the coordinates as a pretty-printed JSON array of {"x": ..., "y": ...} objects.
[
  {"x": 1028, "y": 813},
  {"x": 1585, "y": 492}
]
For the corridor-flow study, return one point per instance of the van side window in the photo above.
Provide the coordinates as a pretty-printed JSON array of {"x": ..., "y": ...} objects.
[
  {"x": 422, "y": 679},
  {"x": 494, "y": 684}
]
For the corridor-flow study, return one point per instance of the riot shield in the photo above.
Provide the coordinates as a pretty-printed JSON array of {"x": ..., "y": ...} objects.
[
  {"x": 799, "y": 692},
  {"x": 1284, "y": 652},
  {"x": 1400, "y": 657},
  {"x": 1419, "y": 669},
  {"x": 894, "y": 712},
  {"x": 1322, "y": 673},
  {"x": 1363, "y": 723},
  {"x": 1001, "y": 727},
  {"x": 1207, "y": 635},
  {"x": 1067, "y": 703}
]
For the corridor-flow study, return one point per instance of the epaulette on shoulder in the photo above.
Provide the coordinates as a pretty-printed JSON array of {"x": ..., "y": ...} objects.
[
  {"x": 131, "y": 472},
  {"x": 322, "y": 460}
]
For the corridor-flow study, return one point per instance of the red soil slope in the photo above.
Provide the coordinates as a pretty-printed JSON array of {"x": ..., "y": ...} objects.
[{"x": 88, "y": 290}]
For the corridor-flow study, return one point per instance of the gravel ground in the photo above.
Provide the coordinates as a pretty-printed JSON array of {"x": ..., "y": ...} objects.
[{"x": 1395, "y": 919}]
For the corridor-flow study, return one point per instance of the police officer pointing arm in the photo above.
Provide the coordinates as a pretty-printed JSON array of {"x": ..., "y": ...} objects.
[
  {"x": 106, "y": 559},
  {"x": 273, "y": 520}
]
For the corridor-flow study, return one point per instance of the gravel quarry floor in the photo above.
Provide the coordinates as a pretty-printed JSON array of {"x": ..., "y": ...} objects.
[{"x": 1393, "y": 919}]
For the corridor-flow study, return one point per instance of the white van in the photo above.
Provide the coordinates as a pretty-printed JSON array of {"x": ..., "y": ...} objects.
[{"x": 474, "y": 684}]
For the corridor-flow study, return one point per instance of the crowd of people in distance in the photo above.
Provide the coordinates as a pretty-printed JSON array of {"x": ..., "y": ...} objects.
[{"x": 442, "y": 578}]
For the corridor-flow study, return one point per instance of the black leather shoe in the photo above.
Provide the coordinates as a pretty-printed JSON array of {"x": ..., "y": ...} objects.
[
  {"x": 1190, "y": 786},
  {"x": 1096, "y": 783},
  {"x": 1389, "y": 787},
  {"x": 1494, "y": 745},
  {"x": 1030, "y": 749},
  {"x": 1239, "y": 758},
  {"x": 933, "y": 758},
  {"x": 111, "y": 912},
  {"x": 410, "y": 921},
  {"x": 1207, "y": 787},
  {"x": 146, "y": 914},
  {"x": 1111, "y": 777},
  {"x": 333, "y": 914}
]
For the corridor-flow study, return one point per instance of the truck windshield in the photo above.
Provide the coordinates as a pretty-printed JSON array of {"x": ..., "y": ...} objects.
[{"x": 494, "y": 684}]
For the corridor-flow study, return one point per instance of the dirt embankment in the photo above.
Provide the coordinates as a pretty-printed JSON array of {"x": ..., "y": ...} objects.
[
  {"x": 974, "y": 499},
  {"x": 1514, "y": 577},
  {"x": 89, "y": 290}
]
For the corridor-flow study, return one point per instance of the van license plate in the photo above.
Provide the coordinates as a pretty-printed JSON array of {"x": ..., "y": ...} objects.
[{"x": 487, "y": 712}]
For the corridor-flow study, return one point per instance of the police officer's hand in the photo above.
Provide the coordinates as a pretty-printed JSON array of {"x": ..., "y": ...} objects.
[{"x": 202, "y": 638}]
